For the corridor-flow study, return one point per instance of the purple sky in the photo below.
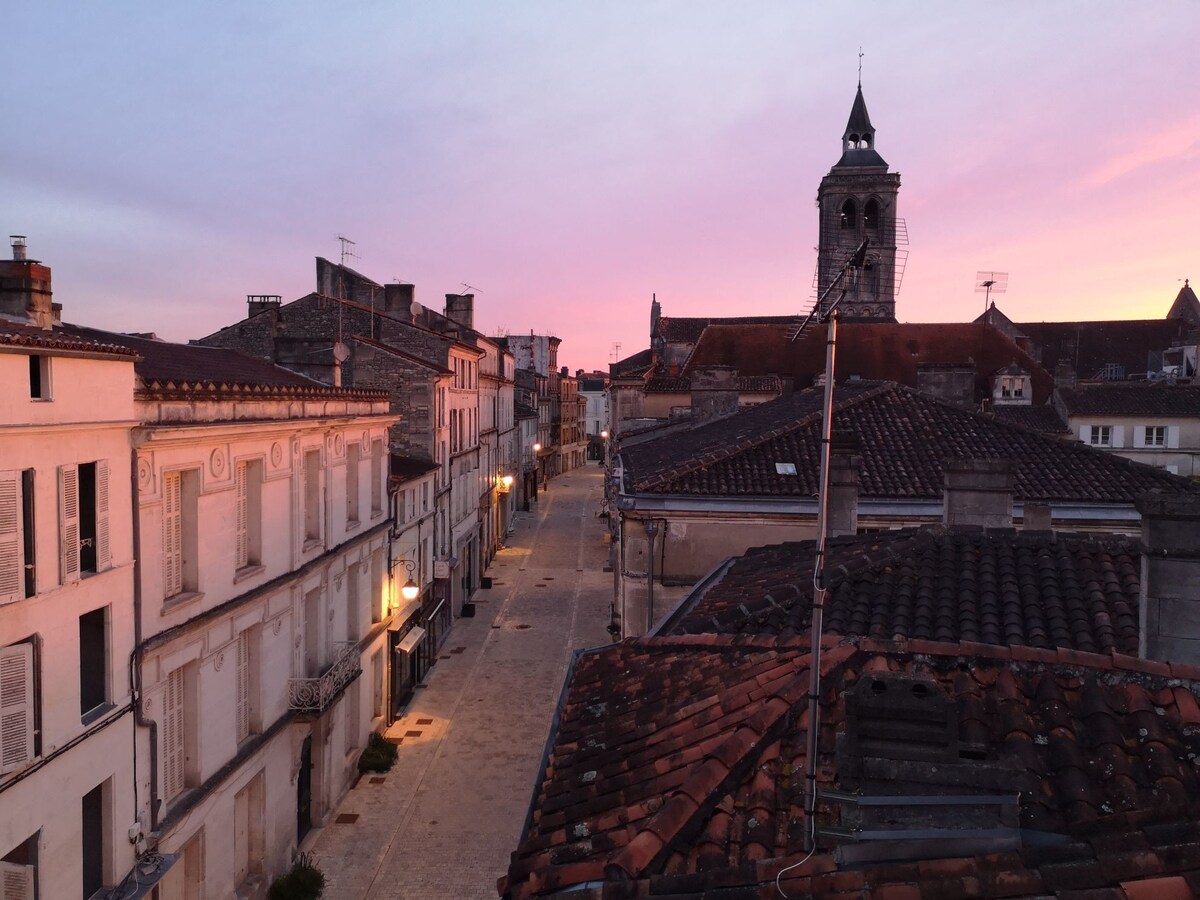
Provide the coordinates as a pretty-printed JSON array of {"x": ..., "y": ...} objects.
[{"x": 570, "y": 159}]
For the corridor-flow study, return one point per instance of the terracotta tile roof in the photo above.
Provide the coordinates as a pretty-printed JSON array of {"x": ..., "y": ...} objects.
[
  {"x": 16, "y": 334},
  {"x": 1136, "y": 399},
  {"x": 749, "y": 384},
  {"x": 632, "y": 366},
  {"x": 873, "y": 351},
  {"x": 688, "y": 329},
  {"x": 1036, "y": 418},
  {"x": 675, "y": 770},
  {"x": 1004, "y": 587},
  {"x": 904, "y": 438}
]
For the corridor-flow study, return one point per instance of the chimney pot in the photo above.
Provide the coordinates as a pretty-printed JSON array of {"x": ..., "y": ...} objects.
[{"x": 18, "y": 247}]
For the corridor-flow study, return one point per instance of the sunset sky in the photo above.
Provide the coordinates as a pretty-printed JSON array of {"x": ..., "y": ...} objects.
[{"x": 570, "y": 159}]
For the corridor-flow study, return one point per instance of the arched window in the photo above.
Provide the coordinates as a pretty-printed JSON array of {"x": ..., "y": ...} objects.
[
  {"x": 849, "y": 214},
  {"x": 871, "y": 215},
  {"x": 855, "y": 141}
]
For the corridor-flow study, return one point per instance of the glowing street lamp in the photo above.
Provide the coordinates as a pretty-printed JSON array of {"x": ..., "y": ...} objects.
[
  {"x": 507, "y": 481},
  {"x": 537, "y": 448},
  {"x": 411, "y": 589}
]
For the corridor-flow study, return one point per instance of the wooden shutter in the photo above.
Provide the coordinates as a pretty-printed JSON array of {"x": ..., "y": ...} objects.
[
  {"x": 1118, "y": 436},
  {"x": 1172, "y": 437},
  {"x": 1139, "y": 436},
  {"x": 1085, "y": 433},
  {"x": 16, "y": 881},
  {"x": 243, "y": 685},
  {"x": 241, "y": 486},
  {"x": 12, "y": 545},
  {"x": 103, "y": 554},
  {"x": 68, "y": 523},
  {"x": 174, "y": 750},
  {"x": 172, "y": 535},
  {"x": 16, "y": 706}
]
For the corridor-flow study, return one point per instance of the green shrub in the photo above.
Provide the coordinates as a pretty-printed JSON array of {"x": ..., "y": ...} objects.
[
  {"x": 303, "y": 881},
  {"x": 378, "y": 756}
]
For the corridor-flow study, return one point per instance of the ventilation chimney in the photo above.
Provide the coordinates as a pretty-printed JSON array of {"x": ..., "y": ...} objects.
[
  {"x": 25, "y": 288},
  {"x": 1170, "y": 599},
  {"x": 844, "y": 463},
  {"x": 461, "y": 308},
  {"x": 258, "y": 303},
  {"x": 978, "y": 492}
]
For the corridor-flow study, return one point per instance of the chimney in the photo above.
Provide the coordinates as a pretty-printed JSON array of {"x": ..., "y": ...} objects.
[
  {"x": 1170, "y": 598},
  {"x": 258, "y": 303},
  {"x": 1036, "y": 517},
  {"x": 461, "y": 308},
  {"x": 25, "y": 288},
  {"x": 978, "y": 492},
  {"x": 714, "y": 392},
  {"x": 952, "y": 382},
  {"x": 843, "y": 484},
  {"x": 398, "y": 301}
]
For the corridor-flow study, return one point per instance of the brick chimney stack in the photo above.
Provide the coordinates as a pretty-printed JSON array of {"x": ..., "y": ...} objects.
[
  {"x": 25, "y": 288},
  {"x": 461, "y": 308},
  {"x": 1170, "y": 599},
  {"x": 978, "y": 492},
  {"x": 398, "y": 301}
]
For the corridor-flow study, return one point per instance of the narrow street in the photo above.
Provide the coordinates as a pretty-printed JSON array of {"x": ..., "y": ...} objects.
[{"x": 443, "y": 821}]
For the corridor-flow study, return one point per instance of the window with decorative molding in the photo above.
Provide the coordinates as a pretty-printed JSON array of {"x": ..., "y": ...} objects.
[
  {"x": 17, "y": 706},
  {"x": 17, "y": 546},
  {"x": 181, "y": 500},
  {"x": 83, "y": 520},
  {"x": 378, "y": 458},
  {"x": 312, "y": 495},
  {"x": 248, "y": 484},
  {"x": 353, "y": 462}
]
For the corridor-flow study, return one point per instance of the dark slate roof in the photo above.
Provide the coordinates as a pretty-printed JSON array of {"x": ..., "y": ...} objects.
[
  {"x": 592, "y": 385},
  {"x": 904, "y": 440},
  {"x": 876, "y": 350},
  {"x": 18, "y": 334},
  {"x": 864, "y": 158},
  {"x": 405, "y": 468},
  {"x": 162, "y": 362},
  {"x": 1088, "y": 346},
  {"x": 632, "y": 366},
  {"x": 859, "y": 121},
  {"x": 1136, "y": 399},
  {"x": 675, "y": 768},
  {"x": 1036, "y": 418},
  {"x": 1003, "y": 587},
  {"x": 749, "y": 384}
]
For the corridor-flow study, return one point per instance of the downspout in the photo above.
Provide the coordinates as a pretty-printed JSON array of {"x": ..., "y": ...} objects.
[
  {"x": 651, "y": 531},
  {"x": 135, "y": 658}
]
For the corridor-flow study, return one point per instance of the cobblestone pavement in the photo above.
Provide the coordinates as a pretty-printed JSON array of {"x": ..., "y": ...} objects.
[{"x": 444, "y": 820}]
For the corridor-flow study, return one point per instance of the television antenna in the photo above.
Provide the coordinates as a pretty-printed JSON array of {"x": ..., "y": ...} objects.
[
  {"x": 616, "y": 351},
  {"x": 470, "y": 288},
  {"x": 347, "y": 253},
  {"x": 987, "y": 283}
]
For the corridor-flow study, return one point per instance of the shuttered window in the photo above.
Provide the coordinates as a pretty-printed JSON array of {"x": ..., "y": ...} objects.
[
  {"x": 242, "y": 540},
  {"x": 16, "y": 706},
  {"x": 68, "y": 523},
  {"x": 174, "y": 742},
  {"x": 12, "y": 540},
  {"x": 103, "y": 553},
  {"x": 243, "y": 686},
  {"x": 172, "y": 534}
]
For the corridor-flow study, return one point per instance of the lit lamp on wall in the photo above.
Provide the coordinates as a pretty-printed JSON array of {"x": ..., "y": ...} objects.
[
  {"x": 504, "y": 483},
  {"x": 411, "y": 589},
  {"x": 537, "y": 448}
]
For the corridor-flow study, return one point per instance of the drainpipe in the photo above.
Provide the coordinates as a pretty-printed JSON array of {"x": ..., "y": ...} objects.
[
  {"x": 135, "y": 659},
  {"x": 651, "y": 531}
]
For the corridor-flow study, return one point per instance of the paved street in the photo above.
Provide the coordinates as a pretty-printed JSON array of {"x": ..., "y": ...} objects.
[{"x": 442, "y": 823}]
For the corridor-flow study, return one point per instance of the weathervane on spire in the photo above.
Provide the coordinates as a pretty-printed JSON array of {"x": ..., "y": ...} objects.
[{"x": 860, "y": 56}]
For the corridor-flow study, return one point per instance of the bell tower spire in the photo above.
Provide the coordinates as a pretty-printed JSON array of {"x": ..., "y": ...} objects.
[{"x": 857, "y": 200}]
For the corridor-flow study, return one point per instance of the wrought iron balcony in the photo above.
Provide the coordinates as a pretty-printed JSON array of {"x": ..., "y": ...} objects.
[{"x": 314, "y": 695}]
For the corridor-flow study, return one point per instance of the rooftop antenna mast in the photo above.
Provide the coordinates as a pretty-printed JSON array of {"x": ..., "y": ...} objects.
[
  {"x": 347, "y": 253},
  {"x": 616, "y": 351},
  {"x": 987, "y": 283}
]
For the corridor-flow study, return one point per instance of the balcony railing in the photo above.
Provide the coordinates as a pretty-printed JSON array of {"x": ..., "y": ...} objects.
[{"x": 313, "y": 695}]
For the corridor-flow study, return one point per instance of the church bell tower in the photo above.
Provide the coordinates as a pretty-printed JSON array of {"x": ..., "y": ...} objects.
[{"x": 857, "y": 200}]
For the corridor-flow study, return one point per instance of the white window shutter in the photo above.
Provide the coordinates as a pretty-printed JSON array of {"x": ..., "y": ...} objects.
[
  {"x": 1139, "y": 436},
  {"x": 12, "y": 544},
  {"x": 16, "y": 706},
  {"x": 103, "y": 553},
  {"x": 242, "y": 501},
  {"x": 16, "y": 881},
  {"x": 68, "y": 523},
  {"x": 172, "y": 535},
  {"x": 174, "y": 759},
  {"x": 1173, "y": 437},
  {"x": 1085, "y": 433},
  {"x": 243, "y": 685},
  {"x": 1118, "y": 436}
]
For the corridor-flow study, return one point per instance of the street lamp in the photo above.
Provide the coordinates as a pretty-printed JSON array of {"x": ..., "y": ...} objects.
[
  {"x": 411, "y": 589},
  {"x": 537, "y": 448},
  {"x": 604, "y": 435},
  {"x": 506, "y": 482}
]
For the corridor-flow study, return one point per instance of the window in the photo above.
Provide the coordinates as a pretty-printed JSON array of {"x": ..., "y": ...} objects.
[
  {"x": 17, "y": 574},
  {"x": 94, "y": 822},
  {"x": 871, "y": 214},
  {"x": 353, "y": 460},
  {"x": 181, "y": 499},
  {"x": 1156, "y": 435},
  {"x": 353, "y": 603},
  {"x": 376, "y": 600},
  {"x": 377, "y": 684},
  {"x": 83, "y": 519},
  {"x": 352, "y": 715},
  {"x": 248, "y": 830},
  {"x": 849, "y": 214},
  {"x": 39, "y": 378},
  {"x": 93, "y": 662},
  {"x": 18, "y": 870},
  {"x": 312, "y": 495},
  {"x": 249, "y": 719},
  {"x": 248, "y": 480},
  {"x": 376, "y": 478},
  {"x": 16, "y": 706},
  {"x": 1101, "y": 436},
  {"x": 314, "y": 632},
  {"x": 177, "y": 730}
]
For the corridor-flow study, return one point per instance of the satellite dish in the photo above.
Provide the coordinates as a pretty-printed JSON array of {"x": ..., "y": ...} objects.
[
  {"x": 341, "y": 352},
  {"x": 416, "y": 308}
]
